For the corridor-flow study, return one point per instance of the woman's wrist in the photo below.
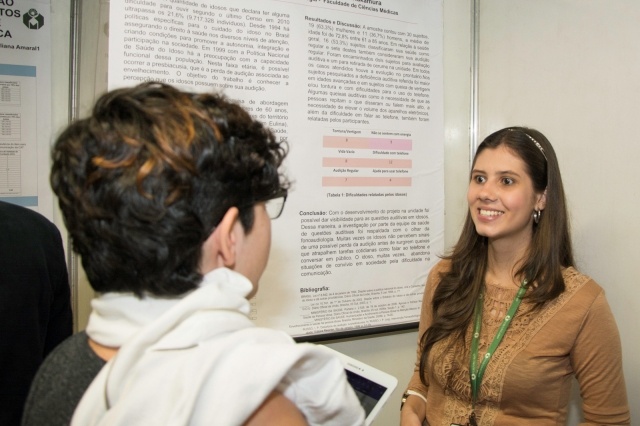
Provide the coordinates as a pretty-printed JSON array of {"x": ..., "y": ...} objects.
[
  {"x": 409, "y": 416},
  {"x": 408, "y": 393},
  {"x": 413, "y": 406}
]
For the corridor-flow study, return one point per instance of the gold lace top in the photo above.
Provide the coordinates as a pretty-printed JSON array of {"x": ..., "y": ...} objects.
[{"x": 528, "y": 380}]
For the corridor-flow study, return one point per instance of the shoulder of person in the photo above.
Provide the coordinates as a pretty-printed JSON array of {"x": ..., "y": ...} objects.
[
  {"x": 13, "y": 212},
  {"x": 575, "y": 281},
  {"x": 435, "y": 275},
  {"x": 443, "y": 266},
  {"x": 581, "y": 290}
]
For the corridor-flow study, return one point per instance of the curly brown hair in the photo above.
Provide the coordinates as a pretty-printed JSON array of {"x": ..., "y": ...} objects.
[{"x": 146, "y": 178}]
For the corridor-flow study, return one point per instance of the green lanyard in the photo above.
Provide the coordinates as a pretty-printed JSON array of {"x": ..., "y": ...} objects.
[{"x": 476, "y": 372}]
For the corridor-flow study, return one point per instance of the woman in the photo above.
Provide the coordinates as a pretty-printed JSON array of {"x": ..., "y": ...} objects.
[{"x": 507, "y": 321}]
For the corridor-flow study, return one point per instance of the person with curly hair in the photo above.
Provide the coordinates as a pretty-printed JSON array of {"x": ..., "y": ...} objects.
[
  {"x": 507, "y": 320},
  {"x": 168, "y": 198}
]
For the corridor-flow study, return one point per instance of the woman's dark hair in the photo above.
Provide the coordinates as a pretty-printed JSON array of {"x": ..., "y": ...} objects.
[
  {"x": 550, "y": 250},
  {"x": 147, "y": 177}
]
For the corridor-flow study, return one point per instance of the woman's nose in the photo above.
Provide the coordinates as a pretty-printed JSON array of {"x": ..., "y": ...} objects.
[{"x": 487, "y": 191}]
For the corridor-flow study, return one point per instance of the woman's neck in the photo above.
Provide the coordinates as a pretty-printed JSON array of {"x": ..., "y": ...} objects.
[
  {"x": 502, "y": 263},
  {"x": 104, "y": 352}
]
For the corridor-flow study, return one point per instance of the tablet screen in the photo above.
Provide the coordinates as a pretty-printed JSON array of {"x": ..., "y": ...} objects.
[
  {"x": 368, "y": 392},
  {"x": 372, "y": 386}
]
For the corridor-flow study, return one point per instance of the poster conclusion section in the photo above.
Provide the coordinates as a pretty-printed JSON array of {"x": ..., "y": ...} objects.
[{"x": 355, "y": 88}]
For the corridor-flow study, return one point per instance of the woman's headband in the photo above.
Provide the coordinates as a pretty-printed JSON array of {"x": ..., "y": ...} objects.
[{"x": 535, "y": 142}]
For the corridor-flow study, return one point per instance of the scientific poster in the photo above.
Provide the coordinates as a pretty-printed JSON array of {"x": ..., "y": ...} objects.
[
  {"x": 25, "y": 104},
  {"x": 355, "y": 88}
]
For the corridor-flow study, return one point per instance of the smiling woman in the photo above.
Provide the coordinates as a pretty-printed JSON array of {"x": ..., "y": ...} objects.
[
  {"x": 506, "y": 318},
  {"x": 502, "y": 198}
]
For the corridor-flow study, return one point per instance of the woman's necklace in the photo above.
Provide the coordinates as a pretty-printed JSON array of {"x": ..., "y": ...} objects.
[{"x": 477, "y": 372}]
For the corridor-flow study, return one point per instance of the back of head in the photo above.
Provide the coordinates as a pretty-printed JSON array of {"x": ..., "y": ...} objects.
[{"x": 146, "y": 178}]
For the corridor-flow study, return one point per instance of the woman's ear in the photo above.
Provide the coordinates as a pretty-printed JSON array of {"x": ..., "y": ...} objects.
[
  {"x": 542, "y": 200},
  {"x": 220, "y": 249}
]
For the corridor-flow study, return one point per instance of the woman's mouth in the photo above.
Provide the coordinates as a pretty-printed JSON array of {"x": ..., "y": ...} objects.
[{"x": 490, "y": 213}]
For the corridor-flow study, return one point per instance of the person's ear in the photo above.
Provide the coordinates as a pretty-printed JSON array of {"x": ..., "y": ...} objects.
[
  {"x": 228, "y": 239},
  {"x": 220, "y": 248},
  {"x": 542, "y": 200}
]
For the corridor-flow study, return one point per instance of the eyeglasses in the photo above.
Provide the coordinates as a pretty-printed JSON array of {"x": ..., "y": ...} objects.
[{"x": 275, "y": 205}]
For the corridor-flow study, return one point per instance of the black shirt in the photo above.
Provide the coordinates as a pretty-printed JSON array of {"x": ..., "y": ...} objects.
[{"x": 35, "y": 306}]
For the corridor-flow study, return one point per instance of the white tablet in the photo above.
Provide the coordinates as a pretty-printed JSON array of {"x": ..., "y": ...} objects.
[{"x": 372, "y": 386}]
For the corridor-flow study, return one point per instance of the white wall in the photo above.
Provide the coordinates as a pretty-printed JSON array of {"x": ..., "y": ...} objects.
[{"x": 571, "y": 69}]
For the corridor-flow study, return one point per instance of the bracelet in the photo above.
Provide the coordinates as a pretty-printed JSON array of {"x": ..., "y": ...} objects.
[
  {"x": 403, "y": 400},
  {"x": 406, "y": 395}
]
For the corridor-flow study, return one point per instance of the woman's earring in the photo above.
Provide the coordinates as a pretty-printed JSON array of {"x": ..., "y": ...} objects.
[{"x": 536, "y": 216}]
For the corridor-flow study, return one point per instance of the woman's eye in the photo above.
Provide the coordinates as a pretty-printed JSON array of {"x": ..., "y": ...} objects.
[
  {"x": 507, "y": 181},
  {"x": 479, "y": 179}
]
